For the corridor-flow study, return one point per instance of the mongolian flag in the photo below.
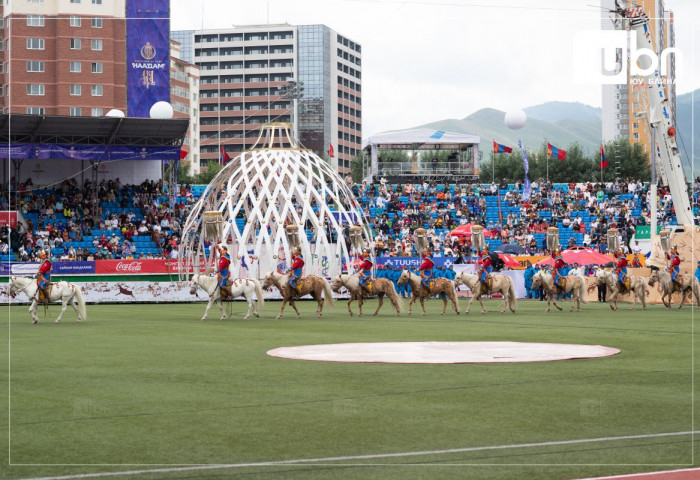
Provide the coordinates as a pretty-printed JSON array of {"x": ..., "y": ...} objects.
[
  {"x": 224, "y": 157},
  {"x": 603, "y": 161},
  {"x": 330, "y": 150},
  {"x": 553, "y": 151},
  {"x": 183, "y": 153},
  {"x": 498, "y": 148}
]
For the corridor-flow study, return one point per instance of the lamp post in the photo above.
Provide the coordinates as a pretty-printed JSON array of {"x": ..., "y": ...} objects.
[{"x": 293, "y": 90}]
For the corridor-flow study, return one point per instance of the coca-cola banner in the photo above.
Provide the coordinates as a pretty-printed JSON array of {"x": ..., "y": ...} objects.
[
  {"x": 140, "y": 266},
  {"x": 8, "y": 218}
]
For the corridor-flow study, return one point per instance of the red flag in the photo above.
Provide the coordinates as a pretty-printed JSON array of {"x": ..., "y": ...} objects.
[
  {"x": 499, "y": 148},
  {"x": 553, "y": 151},
  {"x": 183, "y": 153},
  {"x": 330, "y": 151},
  {"x": 603, "y": 161},
  {"x": 224, "y": 157}
]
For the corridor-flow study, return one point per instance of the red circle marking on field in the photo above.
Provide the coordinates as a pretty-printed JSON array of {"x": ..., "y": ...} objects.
[
  {"x": 684, "y": 474},
  {"x": 443, "y": 352}
]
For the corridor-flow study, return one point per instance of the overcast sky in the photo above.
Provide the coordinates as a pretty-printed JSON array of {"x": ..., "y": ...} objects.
[{"x": 427, "y": 60}]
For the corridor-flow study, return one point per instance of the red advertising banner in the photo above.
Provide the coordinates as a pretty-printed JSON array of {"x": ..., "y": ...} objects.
[
  {"x": 8, "y": 217},
  {"x": 140, "y": 266}
]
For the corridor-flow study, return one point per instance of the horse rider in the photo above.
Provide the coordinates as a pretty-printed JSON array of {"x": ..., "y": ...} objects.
[
  {"x": 485, "y": 269},
  {"x": 43, "y": 277},
  {"x": 621, "y": 270},
  {"x": 223, "y": 272},
  {"x": 426, "y": 270},
  {"x": 674, "y": 266},
  {"x": 559, "y": 265},
  {"x": 365, "y": 272},
  {"x": 296, "y": 270}
]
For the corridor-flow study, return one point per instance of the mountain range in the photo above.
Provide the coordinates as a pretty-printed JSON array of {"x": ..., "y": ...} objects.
[{"x": 563, "y": 123}]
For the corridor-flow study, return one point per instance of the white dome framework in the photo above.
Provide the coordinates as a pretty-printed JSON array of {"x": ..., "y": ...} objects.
[{"x": 273, "y": 185}]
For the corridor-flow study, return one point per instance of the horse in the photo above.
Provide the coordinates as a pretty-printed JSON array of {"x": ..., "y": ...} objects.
[
  {"x": 637, "y": 288},
  {"x": 239, "y": 287},
  {"x": 690, "y": 284},
  {"x": 310, "y": 285},
  {"x": 63, "y": 291},
  {"x": 380, "y": 287},
  {"x": 501, "y": 284},
  {"x": 575, "y": 284},
  {"x": 441, "y": 286}
]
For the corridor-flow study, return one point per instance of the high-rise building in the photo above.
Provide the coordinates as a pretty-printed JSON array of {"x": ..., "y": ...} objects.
[
  {"x": 184, "y": 98},
  {"x": 625, "y": 106},
  {"x": 252, "y": 75},
  {"x": 63, "y": 57}
]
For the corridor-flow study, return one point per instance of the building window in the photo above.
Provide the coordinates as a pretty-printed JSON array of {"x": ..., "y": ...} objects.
[
  {"x": 2, "y": 23},
  {"x": 36, "y": 110},
  {"x": 97, "y": 90},
  {"x": 35, "y": 20},
  {"x": 96, "y": 112},
  {"x": 76, "y": 111},
  {"x": 636, "y": 136},
  {"x": 96, "y": 23},
  {"x": 75, "y": 21},
  {"x": 35, "y": 1},
  {"x": 75, "y": 44},
  {"x": 97, "y": 2},
  {"x": 35, "y": 89},
  {"x": 96, "y": 67},
  {"x": 35, "y": 44},
  {"x": 76, "y": 89},
  {"x": 96, "y": 44},
  {"x": 74, "y": 1},
  {"x": 76, "y": 67},
  {"x": 635, "y": 125},
  {"x": 2, "y": 45},
  {"x": 35, "y": 66}
]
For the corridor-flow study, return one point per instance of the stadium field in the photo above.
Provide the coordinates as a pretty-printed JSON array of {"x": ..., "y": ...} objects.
[{"x": 152, "y": 391}]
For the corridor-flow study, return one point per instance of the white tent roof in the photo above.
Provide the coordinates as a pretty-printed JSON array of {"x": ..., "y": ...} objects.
[{"x": 422, "y": 139}]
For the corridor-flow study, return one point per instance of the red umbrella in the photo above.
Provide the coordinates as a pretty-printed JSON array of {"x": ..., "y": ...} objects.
[
  {"x": 466, "y": 231},
  {"x": 580, "y": 256},
  {"x": 508, "y": 260}
]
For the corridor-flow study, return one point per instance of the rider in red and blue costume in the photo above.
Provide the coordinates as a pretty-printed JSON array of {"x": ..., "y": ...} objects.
[
  {"x": 621, "y": 268},
  {"x": 674, "y": 265},
  {"x": 223, "y": 271},
  {"x": 426, "y": 270},
  {"x": 365, "y": 271},
  {"x": 559, "y": 264},
  {"x": 43, "y": 275},
  {"x": 486, "y": 265},
  {"x": 296, "y": 270}
]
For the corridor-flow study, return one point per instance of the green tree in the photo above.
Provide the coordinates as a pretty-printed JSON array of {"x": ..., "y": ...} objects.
[
  {"x": 358, "y": 165},
  {"x": 183, "y": 174},
  {"x": 213, "y": 168}
]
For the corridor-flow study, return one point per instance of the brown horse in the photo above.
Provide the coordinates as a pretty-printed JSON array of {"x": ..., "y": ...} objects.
[
  {"x": 311, "y": 285},
  {"x": 501, "y": 284},
  {"x": 689, "y": 286},
  {"x": 637, "y": 288},
  {"x": 574, "y": 284},
  {"x": 441, "y": 286},
  {"x": 380, "y": 287}
]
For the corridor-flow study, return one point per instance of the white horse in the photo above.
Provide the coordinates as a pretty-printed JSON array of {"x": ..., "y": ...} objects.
[
  {"x": 637, "y": 287},
  {"x": 63, "y": 291},
  {"x": 690, "y": 287},
  {"x": 574, "y": 284},
  {"x": 501, "y": 283},
  {"x": 244, "y": 287}
]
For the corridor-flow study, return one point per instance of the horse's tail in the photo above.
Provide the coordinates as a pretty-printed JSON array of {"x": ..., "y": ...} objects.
[
  {"x": 259, "y": 294},
  {"x": 696, "y": 290},
  {"x": 327, "y": 293},
  {"x": 81, "y": 303},
  {"x": 395, "y": 297},
  {"x": 582, "y": 289},
  {"x": 512, "y": 298}
]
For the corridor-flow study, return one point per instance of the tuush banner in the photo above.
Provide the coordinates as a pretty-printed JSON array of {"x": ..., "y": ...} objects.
[{"x": 414, "y": 262}]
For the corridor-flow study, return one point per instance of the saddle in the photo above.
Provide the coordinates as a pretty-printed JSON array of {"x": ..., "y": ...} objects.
[
  {"x": 486, "y": 287},
  {"x": 41, "y": 298},
  {"x": 428, "y": 290},
  {"x": 561, "y": 286},
  {"x": 368, "y": 287},
  {"x": 625, "y": 284},
  {"x": 678, "y": 284}
]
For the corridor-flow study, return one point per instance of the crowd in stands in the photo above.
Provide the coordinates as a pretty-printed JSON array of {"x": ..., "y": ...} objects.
[{"x": 112, "y": 220}]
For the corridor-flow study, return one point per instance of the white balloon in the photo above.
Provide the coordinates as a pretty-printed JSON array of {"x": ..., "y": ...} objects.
[
  {"x": 116, "y": 113},
  {"x": 515, "y": 119},
  {"x": 161, "y": 110}
]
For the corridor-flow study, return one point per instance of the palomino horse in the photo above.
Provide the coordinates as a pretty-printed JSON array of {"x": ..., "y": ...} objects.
[
  {"x": 63, "y": 291},
  {"x": 574, "y": 284},
  {"x": 501, "y": 284},
  {"x": 441, "y": 286},
  {"x": 690, "y": 284},
  {"x": 638, "y": 287},
  {"x": 310, "y": 285},
  {"x": 380, "y": 287},
  {"x": 239, "y": 287}
]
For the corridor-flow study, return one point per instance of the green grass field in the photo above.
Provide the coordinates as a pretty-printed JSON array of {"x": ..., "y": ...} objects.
[{"x": 143, "y": 387}]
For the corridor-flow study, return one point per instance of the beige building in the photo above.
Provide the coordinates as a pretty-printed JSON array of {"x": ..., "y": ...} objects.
[{"x": 184, "y": 98}]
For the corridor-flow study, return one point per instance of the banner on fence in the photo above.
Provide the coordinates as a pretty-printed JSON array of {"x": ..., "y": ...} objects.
[
  {"x": 58, "y": 268},
  {"x": 414, "y": 262}
]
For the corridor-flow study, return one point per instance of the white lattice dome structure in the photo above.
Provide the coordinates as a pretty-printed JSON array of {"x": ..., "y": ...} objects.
[{"x": 261, "y": 191}]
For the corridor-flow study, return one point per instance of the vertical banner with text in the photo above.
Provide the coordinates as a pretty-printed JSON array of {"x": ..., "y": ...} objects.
[{"x": 147, "y": 55}]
